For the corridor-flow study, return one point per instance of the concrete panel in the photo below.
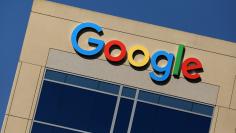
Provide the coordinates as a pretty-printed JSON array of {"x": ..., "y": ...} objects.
[
  {"x": 233, "y": 100},
  {"x": 28, "y": 128},
  {"x": 36, "y": 95},
  {"x": 134, "y": 27},
  {"x": 226, "y": 121},
  {"x": 25, "y": 90},
  {"x": 126, "y": 75},
  {"x": 214, "y": 120},
  {"x": 13, "y": 87},
  {"x": 40, "y": 37},
  {"x": 16, "y": 125}
]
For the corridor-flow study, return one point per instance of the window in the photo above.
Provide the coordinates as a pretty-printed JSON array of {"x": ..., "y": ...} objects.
[
  {"x": 159, "y": 119},
  {"x": 70, "y": 103},
  {"x": 123, "y": 116}
]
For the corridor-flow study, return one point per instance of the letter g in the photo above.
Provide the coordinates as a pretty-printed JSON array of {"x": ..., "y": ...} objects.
[{"x": 79, "y": 30}]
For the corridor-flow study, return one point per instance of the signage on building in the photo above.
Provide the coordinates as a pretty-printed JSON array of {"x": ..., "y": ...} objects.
[{"x": 190, "y": 67}]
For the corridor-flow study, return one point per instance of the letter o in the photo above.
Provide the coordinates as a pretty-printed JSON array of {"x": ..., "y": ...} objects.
[
  {"x": 108, "y": 54},
  {"x": 138, "y": 48}
]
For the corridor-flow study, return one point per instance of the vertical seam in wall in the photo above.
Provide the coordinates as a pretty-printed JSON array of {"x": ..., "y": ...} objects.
[
  {"x": 216, "y": 119},
  {"x": 40, "y": 73},
  {"x": 39, "y": 94},
  {"x": 212, "y": 126},
  {"x": 48, "y": 56},
  {"x": 231, "y": 98},
  {"x": 37, "y": 100},
  {"x": 218, "y": 93},
  {"x": 13, "y": 95}
]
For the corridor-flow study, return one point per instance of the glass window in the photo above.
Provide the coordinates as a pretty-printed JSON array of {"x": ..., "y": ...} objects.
[
  {"x": 177, "y": 103},
  {"x": 149, "y": 97},
  {"x": 107, "y": 87},
  {"x": 91, "y": 111},
  {"x": 75, "y": 108},
  {"x": 202, "y": 109},
  {"x": 128, "y": 92},
  {"x": 41, "y": 128},
  {"x": 47, "y": 110},
  {"x": 155, "y": 119},
  {"x": 53, "y": 75},
  {"x": 123, "y": 116},
  {"x": 81, "y": 81}
]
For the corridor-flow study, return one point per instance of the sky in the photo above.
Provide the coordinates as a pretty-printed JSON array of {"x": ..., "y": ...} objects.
[
  {"x": 14, "y": 16},
  {"x": 213, "y": 18}
]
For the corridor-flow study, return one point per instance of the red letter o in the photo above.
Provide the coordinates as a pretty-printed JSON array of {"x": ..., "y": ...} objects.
[{"x": 108, "y": 54}]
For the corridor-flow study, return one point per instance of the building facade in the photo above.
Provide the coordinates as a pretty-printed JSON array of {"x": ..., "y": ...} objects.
[{"x": 56, "y": 90}]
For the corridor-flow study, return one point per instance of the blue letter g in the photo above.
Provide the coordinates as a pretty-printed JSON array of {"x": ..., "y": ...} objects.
[{"x": 78, "y": 31}]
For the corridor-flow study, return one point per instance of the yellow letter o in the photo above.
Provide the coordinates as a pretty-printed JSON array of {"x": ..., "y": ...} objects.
[{"x": 138, "y": 48}]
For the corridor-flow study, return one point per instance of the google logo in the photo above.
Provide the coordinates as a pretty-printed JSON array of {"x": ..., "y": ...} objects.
[{"x": 189, "y": 66}]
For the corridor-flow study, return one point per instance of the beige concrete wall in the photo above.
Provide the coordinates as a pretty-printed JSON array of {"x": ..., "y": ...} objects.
[
  {"x": 50, "y": 26},
  {"x": 21, "y": 103}
]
